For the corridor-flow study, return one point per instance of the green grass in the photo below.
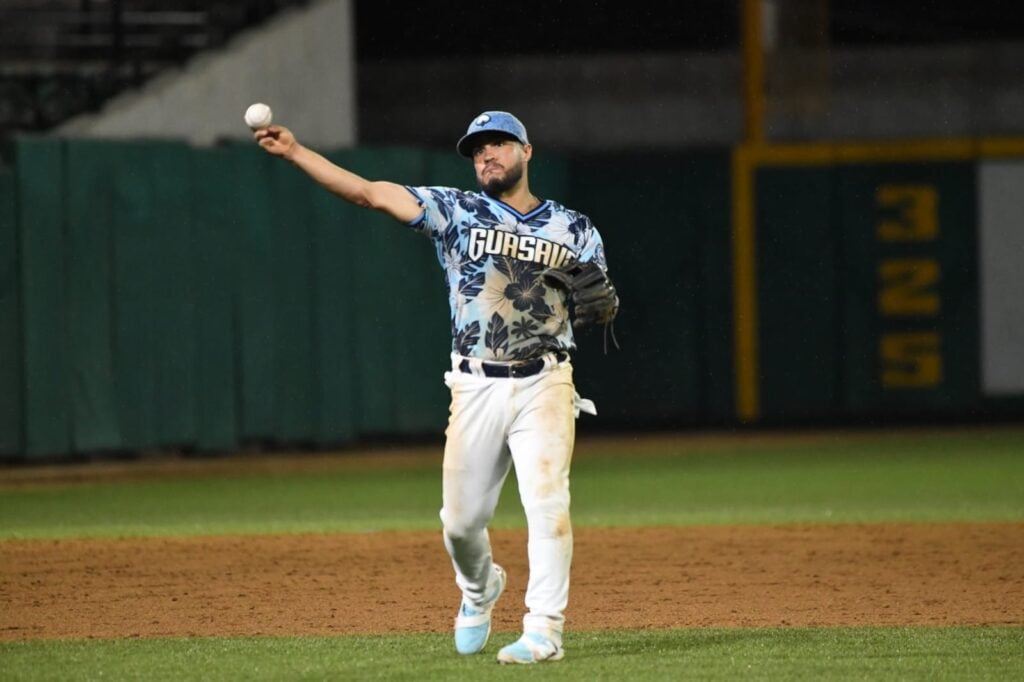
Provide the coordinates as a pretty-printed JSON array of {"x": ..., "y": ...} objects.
[
  {"x": 748, "y": 654},
  {"x": 970, "y": 477},
  {"x": 973, "y": 476},
  {"x": 278, "y": 503}
]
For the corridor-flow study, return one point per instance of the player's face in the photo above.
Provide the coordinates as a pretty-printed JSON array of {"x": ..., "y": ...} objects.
[{"x": 499, "y": 164}]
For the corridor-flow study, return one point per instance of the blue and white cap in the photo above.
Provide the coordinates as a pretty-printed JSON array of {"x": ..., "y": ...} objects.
[{"x": 491, "y": 122}]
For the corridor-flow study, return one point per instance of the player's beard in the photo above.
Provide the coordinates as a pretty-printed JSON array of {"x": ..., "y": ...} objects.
[{"x": 497, "y": 184}]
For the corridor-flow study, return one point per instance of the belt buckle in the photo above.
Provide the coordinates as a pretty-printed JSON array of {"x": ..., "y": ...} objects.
[{"x": 496, "y": 370}]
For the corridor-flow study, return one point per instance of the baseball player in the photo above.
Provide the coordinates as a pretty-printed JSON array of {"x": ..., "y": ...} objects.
[{"x": 514, "y": 265}]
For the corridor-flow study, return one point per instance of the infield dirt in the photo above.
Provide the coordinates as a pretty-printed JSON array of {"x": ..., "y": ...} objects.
[{"x": 396, "y": 582}]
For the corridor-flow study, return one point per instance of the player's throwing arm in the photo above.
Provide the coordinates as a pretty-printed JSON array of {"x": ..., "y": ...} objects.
[{"x": 389, "y": 197}]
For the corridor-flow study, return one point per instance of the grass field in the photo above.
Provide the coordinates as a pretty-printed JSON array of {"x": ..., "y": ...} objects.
[
  {"x": 868, "y": 477},
  {"x": 749, "y": 654}
]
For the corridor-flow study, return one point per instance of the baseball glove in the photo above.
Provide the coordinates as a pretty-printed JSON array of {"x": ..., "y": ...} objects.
[{"x": 593, "y": 294}]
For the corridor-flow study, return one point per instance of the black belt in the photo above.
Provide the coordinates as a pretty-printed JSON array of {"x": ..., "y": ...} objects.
[{"x": 515, "y": 370}]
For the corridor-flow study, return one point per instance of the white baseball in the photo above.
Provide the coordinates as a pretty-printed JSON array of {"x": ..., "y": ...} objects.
[{"x": 258, "y": 116}]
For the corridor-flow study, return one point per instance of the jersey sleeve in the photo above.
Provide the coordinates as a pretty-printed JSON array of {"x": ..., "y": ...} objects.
[
  {"x": 438, "y": 205},
  {"x": 593, "y": 247}
]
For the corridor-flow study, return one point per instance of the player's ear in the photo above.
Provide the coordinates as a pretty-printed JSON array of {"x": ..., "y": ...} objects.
[{"x": 527, "y": 151}]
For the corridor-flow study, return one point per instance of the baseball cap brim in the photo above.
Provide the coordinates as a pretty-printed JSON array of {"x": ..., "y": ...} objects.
[
  {"x": 492, "y": 122},
  {"x": 468, "y": 142}
]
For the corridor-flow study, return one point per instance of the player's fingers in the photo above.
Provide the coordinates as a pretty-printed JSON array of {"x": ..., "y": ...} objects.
[{"x": 264, "y": 133}]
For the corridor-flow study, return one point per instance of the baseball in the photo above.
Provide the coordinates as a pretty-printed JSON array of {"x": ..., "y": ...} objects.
[{"x": 258, "y": 116}]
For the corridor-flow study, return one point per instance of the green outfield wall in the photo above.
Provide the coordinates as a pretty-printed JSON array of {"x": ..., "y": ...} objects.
[
  {"x": 159, "y": 296},
  {"x": 665, "y": 222}
]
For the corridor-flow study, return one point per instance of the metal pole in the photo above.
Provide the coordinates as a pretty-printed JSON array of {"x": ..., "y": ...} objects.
[{"x": 753, "y": 72}]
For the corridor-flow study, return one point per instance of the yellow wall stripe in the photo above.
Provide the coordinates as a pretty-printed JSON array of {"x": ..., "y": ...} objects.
[
  {"x": 744, "y": 259},
  {"x": 896, "y": 151}
]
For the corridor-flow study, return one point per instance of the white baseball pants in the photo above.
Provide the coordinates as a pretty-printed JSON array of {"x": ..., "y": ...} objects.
[{"x": 494, "y": 423}]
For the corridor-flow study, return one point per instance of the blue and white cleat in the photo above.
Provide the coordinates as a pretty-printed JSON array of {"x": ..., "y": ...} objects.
[
  {"x": 532, "y": 647},
  {"x": 473, "y": 624}
]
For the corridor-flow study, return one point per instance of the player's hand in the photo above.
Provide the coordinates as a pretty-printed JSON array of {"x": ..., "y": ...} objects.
[{"x": 277, "y": 140}]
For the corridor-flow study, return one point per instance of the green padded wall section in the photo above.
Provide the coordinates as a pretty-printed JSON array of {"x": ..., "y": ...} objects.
[
  {"x": 10, "y": 322},
  {"x": 153, "y": 295},
  {"x": 255, "y": 325},
  {"x": 90, "y": 268},
  {"x": 397, "y": 298},
  {"x": 44, "y": 253},
  {"x": 216, "y": 234},
  {"x": 799, "y": 293},
  {"x": 665, "y": 222}
]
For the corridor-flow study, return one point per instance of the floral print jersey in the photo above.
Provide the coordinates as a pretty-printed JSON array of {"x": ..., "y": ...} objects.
[{"x": 493, "y": 257}]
